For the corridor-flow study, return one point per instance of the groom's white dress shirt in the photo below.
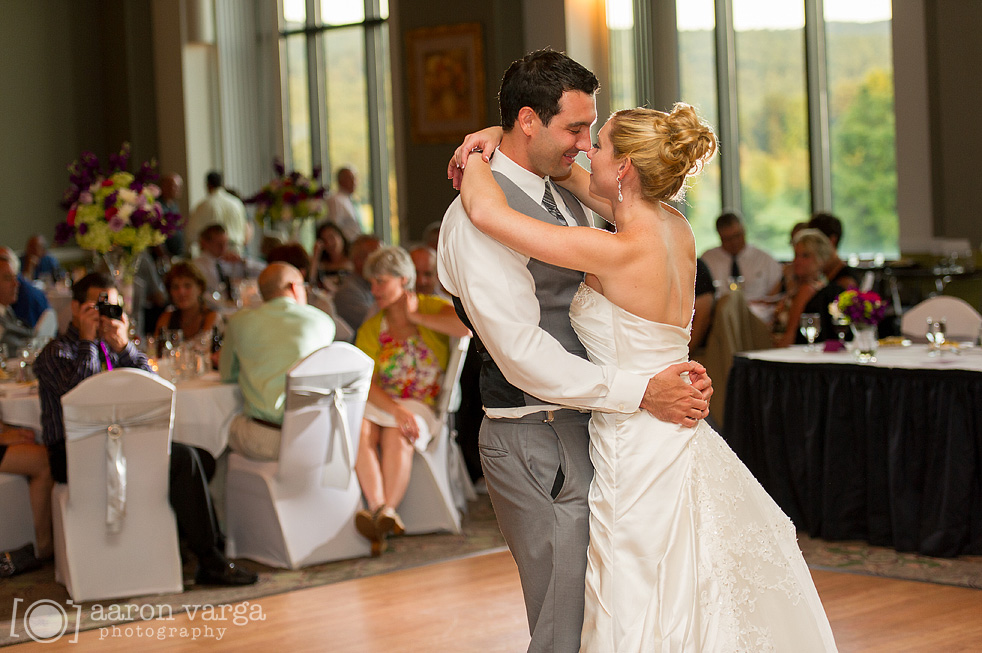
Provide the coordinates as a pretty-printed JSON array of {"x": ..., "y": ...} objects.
[{"x": 498, "y": 295}]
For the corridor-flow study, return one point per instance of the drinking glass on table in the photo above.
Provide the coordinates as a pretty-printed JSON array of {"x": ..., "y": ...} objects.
[
  {"x": 841, "y": 325},
  {"x": 810, "y": 326},
  {"x": 936, "y": 335}
]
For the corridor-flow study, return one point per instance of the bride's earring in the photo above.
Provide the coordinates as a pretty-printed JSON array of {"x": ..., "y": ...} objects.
[{"x": 620, "y": 195}]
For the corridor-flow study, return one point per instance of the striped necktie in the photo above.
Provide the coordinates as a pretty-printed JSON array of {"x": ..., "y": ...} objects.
[{"x": 549, "y": 203}]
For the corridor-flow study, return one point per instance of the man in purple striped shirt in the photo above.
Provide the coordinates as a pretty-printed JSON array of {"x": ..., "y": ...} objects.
[{"x": 94, "y": 343}]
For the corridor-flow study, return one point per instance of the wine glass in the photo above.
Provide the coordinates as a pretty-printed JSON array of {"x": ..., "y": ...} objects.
[
  {"x": 841, "y": 325},
  {"x": 810, "y": 326},
  {"x": 936, "y": 335}
]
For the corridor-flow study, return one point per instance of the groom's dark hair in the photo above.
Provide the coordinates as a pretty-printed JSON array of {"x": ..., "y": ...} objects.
[{"x": 538, "y": 81}]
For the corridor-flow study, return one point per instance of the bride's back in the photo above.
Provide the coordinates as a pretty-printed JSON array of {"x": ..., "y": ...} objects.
[
  {"x": 656, "y": 279},
  {"x": 657, "y": 282}
]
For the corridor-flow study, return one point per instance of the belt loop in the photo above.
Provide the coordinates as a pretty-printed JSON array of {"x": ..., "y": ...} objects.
[{"x": 549, "y": 416}]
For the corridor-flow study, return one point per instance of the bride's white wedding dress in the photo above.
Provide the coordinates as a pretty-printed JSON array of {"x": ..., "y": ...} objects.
[{"x": 687, "y": 551}]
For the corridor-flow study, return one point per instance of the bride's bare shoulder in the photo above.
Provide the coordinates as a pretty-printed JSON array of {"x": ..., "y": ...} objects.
[{"x": 668, "y": 208}]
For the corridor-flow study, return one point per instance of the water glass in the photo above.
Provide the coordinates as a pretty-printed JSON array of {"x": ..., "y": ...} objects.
[
  {"x": 936, "y": 335},
  {"x": 810, "y": 326},
  {"x": 841, "y": 325},
  {"x": 171, "y": 339}
]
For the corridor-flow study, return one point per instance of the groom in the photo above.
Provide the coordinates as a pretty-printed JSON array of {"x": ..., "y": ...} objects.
[{"x": 536, "y": 384}]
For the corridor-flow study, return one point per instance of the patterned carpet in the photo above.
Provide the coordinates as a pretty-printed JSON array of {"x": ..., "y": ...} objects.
[
  {"x": 863, "y": 558},
  {"x": 480, "y": 535}
]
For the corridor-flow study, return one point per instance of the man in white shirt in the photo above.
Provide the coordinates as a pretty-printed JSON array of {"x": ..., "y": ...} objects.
[
  {"x": 533, "y": 450},
  {"x": 341, "y": 208},
  {"x": 734, "y": 258},
  {"x": 221, "y": 207}
]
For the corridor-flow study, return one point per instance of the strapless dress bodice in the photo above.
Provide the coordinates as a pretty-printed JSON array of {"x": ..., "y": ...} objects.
[{"x": 616, "y": 337}]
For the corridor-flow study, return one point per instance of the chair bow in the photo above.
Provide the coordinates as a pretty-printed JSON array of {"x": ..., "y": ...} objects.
[
  {"x": 339, "y": 457},
  {"x": 83, "y": 422}
]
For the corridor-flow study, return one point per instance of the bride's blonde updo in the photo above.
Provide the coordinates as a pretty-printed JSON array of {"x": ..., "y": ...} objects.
[{"x": 664, "y": 148}]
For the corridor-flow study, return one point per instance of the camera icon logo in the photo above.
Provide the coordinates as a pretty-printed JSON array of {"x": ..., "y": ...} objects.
[{"x": 45, "y": 621}]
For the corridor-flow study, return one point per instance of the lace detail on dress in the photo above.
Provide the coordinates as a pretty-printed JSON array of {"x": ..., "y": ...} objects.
[
  {"x": 584, "y": 298},
  {"x": 744, "y": 559}
]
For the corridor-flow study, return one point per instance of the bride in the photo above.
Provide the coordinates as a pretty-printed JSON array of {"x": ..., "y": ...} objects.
[{"x": 687, "y": 551}]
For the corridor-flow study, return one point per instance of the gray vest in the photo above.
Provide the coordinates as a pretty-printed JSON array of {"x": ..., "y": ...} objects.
[{"x": 554, "y": 289}]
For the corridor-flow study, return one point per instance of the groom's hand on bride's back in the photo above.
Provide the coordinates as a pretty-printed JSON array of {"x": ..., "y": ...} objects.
[{"x": 671, "y": 398}]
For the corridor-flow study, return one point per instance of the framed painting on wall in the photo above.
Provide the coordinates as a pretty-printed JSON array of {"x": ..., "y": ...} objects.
[{"x": 446, "y": 82}]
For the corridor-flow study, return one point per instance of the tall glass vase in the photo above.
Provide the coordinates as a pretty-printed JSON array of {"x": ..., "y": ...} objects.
[{"x": 121, "y": 265}]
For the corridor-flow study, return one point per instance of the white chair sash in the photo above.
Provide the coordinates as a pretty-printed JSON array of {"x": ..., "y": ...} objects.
[
  {"x": 87, "y": 421},
  {"x": 339, "y": 458}
]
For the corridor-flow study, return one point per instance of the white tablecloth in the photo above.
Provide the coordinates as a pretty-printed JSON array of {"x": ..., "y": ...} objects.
[
  {"x": 912, "y": 357},
  {"x": 203, "y": 411}
]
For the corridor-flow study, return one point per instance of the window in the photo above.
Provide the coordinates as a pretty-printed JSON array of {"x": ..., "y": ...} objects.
[
  {"x": 862, "y": 124},
  {"x": 788, "y": 155},
  {"x": 338, "y": 98},
  {"x": 697, "y": 81}
]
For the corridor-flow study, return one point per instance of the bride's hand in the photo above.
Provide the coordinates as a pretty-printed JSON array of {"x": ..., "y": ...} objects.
[
  {"x": 486, "y": 141},
  {"x": 671, "y": 399}
]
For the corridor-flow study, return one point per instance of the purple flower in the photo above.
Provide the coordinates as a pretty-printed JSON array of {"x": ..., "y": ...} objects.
[
  {"x": 139, "y": 217},
  {"x": 278, "y": 167},
  {"x": 64, "y": 233},
  {"x": 116, "y": 223},
  {"x": 146, "y": 174},
  {"x": 119, "y": 162},
  {"x": 110, "y": 200},
  {"x": 83, "y": 229}
]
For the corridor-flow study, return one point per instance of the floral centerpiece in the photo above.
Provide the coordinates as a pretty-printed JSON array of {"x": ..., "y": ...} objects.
[
  {"x": 864, "y": 310},
  {"x": 859, "y": 307},
  {"x": 290, "y": 198},
  {"x": 114, "y": 212}
]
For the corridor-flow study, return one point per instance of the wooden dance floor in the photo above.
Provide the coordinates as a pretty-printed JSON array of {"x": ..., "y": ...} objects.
[{"x": 475, "y": 604}]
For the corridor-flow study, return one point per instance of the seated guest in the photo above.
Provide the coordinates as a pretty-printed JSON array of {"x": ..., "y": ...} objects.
[
  {"x": 735, "y": 258},
  {"x": 331, "y": 253},
  {"x": 409, "y": 340},
  {"x": 215, "y": 261},
  {"x": 31, "y": 301},
  {"x": 702, "y": 311},
  {"x": 38, "y": 263},
  {"x": 812, "y": 293},
  {"x": 90, "y": 344},
  {"x": 188, "y": 310},
  {"x": 260, "y": 347},
  {"x": 221, "y": 267},
  {"x": 296, "y": 255},
  {"x": 19, "y": 454},
  {"x": 427, "y": 283},
  {"x": 836, "y": 270},
  {"x": 354, "y": 299},
  {"x": 13, "y": 332}
]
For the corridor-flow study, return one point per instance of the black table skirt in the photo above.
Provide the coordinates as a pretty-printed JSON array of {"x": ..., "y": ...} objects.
[{"x": 890, "y": 456}]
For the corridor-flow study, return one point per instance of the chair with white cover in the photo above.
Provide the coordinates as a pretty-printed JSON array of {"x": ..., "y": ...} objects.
[
  {"x": 115, "y": 533},
  {"x": 962, "y": 321},
  {"x": 300, "y": 510},
  {"x": 46, "y": 327},
  {"x": 16, "y": 519},
  {"x": 440, "y": 486}
]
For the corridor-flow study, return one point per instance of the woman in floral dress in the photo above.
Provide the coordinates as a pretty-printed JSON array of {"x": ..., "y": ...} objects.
[{"x": 409, "y": 340}]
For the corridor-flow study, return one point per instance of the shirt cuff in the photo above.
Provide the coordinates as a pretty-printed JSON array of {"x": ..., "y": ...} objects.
[{"x": 626, "y": 392}]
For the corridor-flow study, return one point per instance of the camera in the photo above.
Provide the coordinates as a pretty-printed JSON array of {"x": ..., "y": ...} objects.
[{"x": 112, "y": 311}]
